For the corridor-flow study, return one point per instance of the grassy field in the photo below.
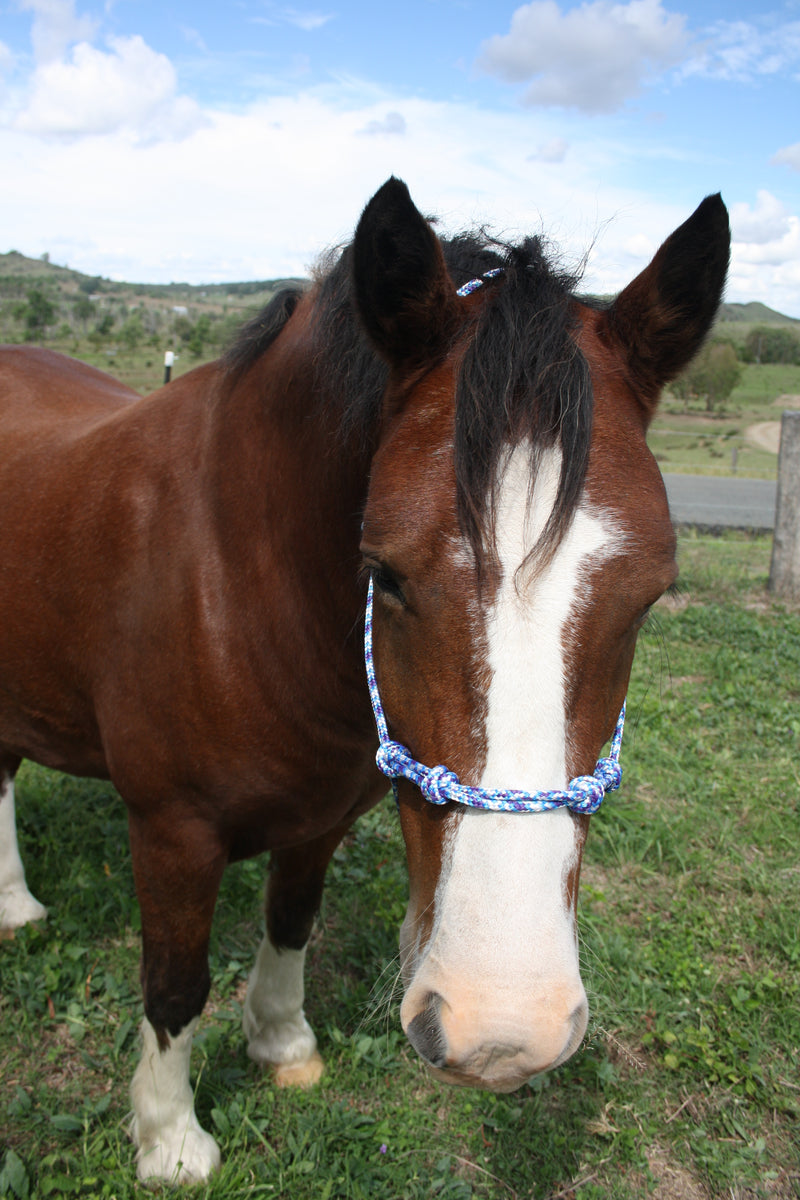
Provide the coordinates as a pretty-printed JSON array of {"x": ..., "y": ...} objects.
[
  {"x": 684, "y": 441},
  {"x": 125, "y": 329},
  {"x": 688, "y": 1085},
  {"x": 691, "y": 441}
]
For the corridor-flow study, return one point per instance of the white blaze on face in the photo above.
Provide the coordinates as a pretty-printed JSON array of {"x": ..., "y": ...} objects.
[
  {"x": 526, "y": 723},
  {"x": 503, "y": 947}
]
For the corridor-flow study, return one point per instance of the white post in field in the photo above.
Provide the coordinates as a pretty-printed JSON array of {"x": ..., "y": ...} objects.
[{"x": 784, "y": 572}]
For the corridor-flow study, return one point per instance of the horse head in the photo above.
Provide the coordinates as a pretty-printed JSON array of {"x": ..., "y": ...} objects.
[{"x": 516, "y": 533}]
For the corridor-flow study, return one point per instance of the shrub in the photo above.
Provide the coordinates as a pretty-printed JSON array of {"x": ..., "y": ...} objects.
[
  {"x": 772, "y": 344},
  {"x": 38, "y": 312},
  {"x": 711, "y": 376}
]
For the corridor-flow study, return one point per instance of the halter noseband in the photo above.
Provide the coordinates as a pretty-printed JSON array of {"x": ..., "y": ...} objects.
[{"x": 583, "y": 795}]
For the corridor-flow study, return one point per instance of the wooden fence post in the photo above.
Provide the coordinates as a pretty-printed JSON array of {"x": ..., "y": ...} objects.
[{"x": 784, "y": 573}]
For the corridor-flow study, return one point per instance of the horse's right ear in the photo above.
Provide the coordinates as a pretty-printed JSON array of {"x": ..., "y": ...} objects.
[{"x": 405, "y": 297}]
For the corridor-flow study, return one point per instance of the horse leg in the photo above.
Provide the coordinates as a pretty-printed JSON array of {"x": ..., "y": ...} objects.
[
  {"x": 178, "y": 866},
  {"x": 275, "y": 1026},
  {"x": 17, "y": 905}
]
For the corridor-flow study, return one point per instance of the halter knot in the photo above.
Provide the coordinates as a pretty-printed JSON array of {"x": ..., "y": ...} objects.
[
  {"x": 437, "y": 785},
  {"x": 392, "y": 758},
  {"x": 586, "y": 793},
  {"x": 610, "y": 772}
]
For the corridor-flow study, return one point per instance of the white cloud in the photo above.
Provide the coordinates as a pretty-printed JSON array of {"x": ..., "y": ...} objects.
[
  {"x": 194, "y": 38},
  {"x": 259, "y": 192},
  {"x": 744, "y": 51},
  {"x": 307, "y": 21},
  {"x": 765, "y": 260},
  {"x": 236, "y": 199},
  {"x": 767, "y": 223},
  {"x": 789, "y": 156},
  {"x": 592, "y": 58},
  {"x": 774, "y": 284},
  {"x": 554, "y": 151},
  {"x": 641, "y": 246},
  {"x": 55, "y": 27},
  {"x": 128, "y": 87},
  {"x": 392, "y": 123}
]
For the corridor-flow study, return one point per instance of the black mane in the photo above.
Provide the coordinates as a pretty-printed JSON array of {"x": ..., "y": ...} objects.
[{"x": 522, "y": 376}]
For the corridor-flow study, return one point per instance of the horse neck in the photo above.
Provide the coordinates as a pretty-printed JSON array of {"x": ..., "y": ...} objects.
[{"x": 285, "y": 477}]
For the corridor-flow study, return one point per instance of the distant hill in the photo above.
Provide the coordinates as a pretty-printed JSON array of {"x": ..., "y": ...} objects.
[
  {"x": 18, "y": 273},
  {"x": 30, "y": 270},
  {"x": 754, "y": 313}
]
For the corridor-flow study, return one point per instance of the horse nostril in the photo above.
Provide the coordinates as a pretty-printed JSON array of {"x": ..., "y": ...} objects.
[{"x": 425, "y": 1032}]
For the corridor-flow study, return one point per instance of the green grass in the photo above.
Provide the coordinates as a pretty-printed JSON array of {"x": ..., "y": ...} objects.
[
  {"x": 763, "y": 384},
  {"x": 683, "y": 446},
  {"x": 688, "y": 440},
  {"x": 688, "y": 1084}
]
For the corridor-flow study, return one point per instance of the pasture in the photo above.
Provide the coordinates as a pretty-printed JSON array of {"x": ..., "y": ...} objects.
[
  {"x": 688, "y": 1084},
  {"x": 142, "y": 323},
  {"x": 687, "y": 440}
]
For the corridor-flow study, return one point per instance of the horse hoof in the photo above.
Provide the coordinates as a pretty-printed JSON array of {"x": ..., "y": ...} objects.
[
  {"x": 299, "y": 1074},
  {"x": 18, "y": 907},
  {"x": 190, "y": 1157}
]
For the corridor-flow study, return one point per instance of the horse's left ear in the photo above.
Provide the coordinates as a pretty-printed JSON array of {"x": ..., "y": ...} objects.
[
  {"x": 405, "y": 297},
  {"x": 661, "y": 319}
]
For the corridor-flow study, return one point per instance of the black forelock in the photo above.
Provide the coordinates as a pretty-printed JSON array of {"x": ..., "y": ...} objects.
[{"x": 522, "y": 377}]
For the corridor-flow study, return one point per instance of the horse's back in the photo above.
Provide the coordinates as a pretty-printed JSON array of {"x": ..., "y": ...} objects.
[
  {"x": 54, "y": 560},
  {"x": 40, "y": 385}
]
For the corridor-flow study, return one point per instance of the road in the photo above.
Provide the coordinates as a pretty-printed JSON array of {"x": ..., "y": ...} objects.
[{"x": 706, "y": 500}]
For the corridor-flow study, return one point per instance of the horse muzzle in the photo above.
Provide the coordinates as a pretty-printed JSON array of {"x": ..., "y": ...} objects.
[{"x": 494, "y": 1050}]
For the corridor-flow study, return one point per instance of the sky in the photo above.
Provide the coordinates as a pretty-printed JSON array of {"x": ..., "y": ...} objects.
[{"x": 199, "y": 142}]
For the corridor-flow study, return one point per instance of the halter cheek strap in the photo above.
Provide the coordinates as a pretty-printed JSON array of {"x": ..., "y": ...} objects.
[{"x": 440, "y": 786}]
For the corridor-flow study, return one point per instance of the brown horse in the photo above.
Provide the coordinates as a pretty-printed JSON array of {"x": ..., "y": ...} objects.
[{"x": 182, "y": 597}]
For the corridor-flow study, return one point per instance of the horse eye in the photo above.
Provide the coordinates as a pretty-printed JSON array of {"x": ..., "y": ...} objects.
[{"x": 386, "y": 583}]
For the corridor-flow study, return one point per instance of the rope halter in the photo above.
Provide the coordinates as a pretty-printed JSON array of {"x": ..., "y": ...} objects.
[
  {"x": 468, "y": 288},
  {"x": 441, "y": 786}
]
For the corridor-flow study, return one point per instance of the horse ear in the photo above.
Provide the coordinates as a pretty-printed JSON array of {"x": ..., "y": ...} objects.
[
  {"x": 404, "y": 294},
  {"x": 661, "y": 319}
]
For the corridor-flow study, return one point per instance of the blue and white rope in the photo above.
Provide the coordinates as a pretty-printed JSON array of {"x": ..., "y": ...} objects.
[
  {"x": 583, "y": 795},
  {"x": 468, "y": 288}
]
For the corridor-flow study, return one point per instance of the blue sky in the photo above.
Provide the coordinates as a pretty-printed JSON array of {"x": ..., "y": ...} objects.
[{"x": 212, "y": 142}]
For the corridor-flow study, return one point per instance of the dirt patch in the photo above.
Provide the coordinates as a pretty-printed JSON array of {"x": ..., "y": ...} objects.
[
  {"x": 673, "y": 1182},
  {"x": 765, "y": 435}
]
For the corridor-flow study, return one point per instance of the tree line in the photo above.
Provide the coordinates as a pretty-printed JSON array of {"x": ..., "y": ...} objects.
[
  {"x": 717, "y": 369},
  {"x": 43, "y": 314},
  {"x": 103, "y": 321}
]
